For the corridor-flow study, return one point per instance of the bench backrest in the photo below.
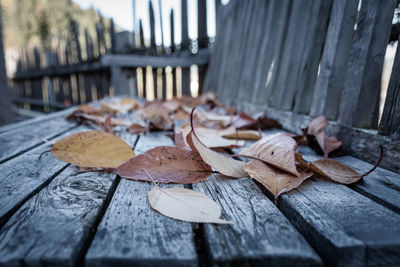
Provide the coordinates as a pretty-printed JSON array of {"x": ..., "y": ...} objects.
[{"x": 300, "y": 59}]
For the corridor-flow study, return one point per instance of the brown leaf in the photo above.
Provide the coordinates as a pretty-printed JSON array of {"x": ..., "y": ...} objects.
[
  {"x": 326, "y": 143},
  {"x": 223, "y": 164},
  {"x": 277, "y": 150},
  {"x": 129, "y": 102},
  {"x": 242, "y": 120},
  {"x": 158, "y": 117},
  {"x": 336, "y": 171},
  {"x": 185, "y": 205},
  {"x": 180, "y": 141},
  {"x": 166, "y": 164},
  {"x": 93, "y": 149},
  {"x": 275, "y": 180},
  {"x": 107, "y": 124},
  {"x": 136, "y": 128},
  {"x": 101, "y": 120},
  {"x": 115, "y": 107},
  {"x": 88, "y": 109}
]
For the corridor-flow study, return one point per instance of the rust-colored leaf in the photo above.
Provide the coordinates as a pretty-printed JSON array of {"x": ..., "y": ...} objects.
[
  {"x": 166, "y": 164},
  {"x": 275, "y": 180},
  {"x": 277, "y": 150},
  {"x": 93, "y": 149},
  {"x": 136, "y": 128}
]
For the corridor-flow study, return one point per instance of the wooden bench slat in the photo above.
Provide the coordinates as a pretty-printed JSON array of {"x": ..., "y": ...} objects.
[
  {"x": 381, "y": 185},
  {"x": 132, "y": 233},
  {"x": 260, "y": 233},
  {"x": 15, "y": 142},
  {"x": 51, "y": 228},
  {"x": 23, "y": 176},
  {"x": 345, "y": 227}
]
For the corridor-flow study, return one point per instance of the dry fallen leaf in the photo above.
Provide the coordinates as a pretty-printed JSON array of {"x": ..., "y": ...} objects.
[
  {"x": 88, "y": 109},
  {"x": 233, "y": 133},
  {"x": 102, "y": 120},
  {"x": 326, "y": 143},
  {"x": 158, "y": 117},
  {"x": 277, "y": 150},
  {"x": 136, "y": 128},
  {"x": 223, "y": 164},
  {"x": 115, "y": 107},
  {"x": 275, "y": 180},
  {"x": 185, "y": 205},
  {"x": 336, "y": 171},
  {"x": 166, "y": 164},
  {"x": 93, "y": 149},
  {"x": 129, "y": 101}
]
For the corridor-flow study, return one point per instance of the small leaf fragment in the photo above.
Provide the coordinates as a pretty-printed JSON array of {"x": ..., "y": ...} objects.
[
  {"x": 94, "y": 149},
  {"x": 335, "y": 171},
  {"x": 185, "y": 205},
  {"x": 166, "y": 164},
  {"x": 275, "y": 180}
]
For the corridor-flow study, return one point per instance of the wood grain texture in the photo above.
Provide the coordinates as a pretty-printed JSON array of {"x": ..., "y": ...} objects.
[
  {"x": 50, "y": 229},
  {"x": 338, "y": 42},
  {"x": 131, "y": 233},
  {"x": 23, "y": 176},
  {"x": 360, "y": 97},
  {"x": 381, "y": 185},
  {"x": 345, "y": 227},
  {"x": 390, "y": 121},
  {"x": 15, "y": 142},
  {"x": 260, "y": 234}
]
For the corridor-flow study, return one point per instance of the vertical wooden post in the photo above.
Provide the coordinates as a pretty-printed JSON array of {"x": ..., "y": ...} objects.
[
  {"x": 172, "y": 47},
  {"x": 89, "y": 46},
  {"x": 390, "y": 121},
  {"x": 141, "y": 34},
  {"x": 185, "y": 46},
  {"x": 202, "y": 36},
  {"x": 134, "y": 23},
  {"x": 359, "y": 105},
  {"x": 6, "y": 109}
]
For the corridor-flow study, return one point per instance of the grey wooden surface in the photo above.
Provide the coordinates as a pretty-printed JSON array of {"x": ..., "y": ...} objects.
[{"x": 53, "y": 215}]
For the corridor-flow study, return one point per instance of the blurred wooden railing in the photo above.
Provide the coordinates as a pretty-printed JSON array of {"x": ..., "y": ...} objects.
[{"x": 114, "y": 64}]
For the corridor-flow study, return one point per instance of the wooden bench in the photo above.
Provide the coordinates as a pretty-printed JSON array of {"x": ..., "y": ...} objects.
[{"x": 292, "y": 59}]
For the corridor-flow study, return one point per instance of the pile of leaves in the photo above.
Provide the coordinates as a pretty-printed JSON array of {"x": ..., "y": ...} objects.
[{"x": 204, "y": 132}]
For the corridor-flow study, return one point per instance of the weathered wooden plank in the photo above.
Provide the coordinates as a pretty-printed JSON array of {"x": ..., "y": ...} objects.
[
  {"x": 273, "y": 53},
  {"x": 251, "y": 55},
  {"x": 15, "y": 142},
  {"x": 25, "y": 175},
  {"x": 184, "y": 60},
  {"x": 184, "y": 27},
  {"x": 51, "y": 228},
  {"x": 308, "y": 71},
  {"x": 61, "y": 70},
  {"x": 360, "y": 96},
  {"x": 131, "y": 233},
  {"x": 346, "y": 228},
  {"x": 339, "y": 36},
  {"x": 381, "y": 185},
  {"x": 260, "y": 235},
  {"x": 296, "y": 42},
  {"x": 202, "y": 36},
  {"x": 152, "y": 27},
  {"x": 390, "y": 121},
  {"x": 234, "y": 45}
]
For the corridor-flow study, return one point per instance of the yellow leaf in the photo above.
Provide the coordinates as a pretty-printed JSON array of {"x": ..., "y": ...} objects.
[{"x": 93, "y": 149}]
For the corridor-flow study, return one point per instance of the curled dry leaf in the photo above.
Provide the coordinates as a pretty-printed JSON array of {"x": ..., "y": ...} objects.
[
  {"x": 277, "y": 150},
  {"x": 336, "y": 171},
  {"x": 88, "y": 109},
  {"x": 326, "y": 143},
  {"x": 158, "y": 117},
  {"x": 166, "y": 164},
  {"x": 223, "y": 164},
  {"x": 185, "y": 205},
  {"x": 93, "y": 149},
  {"x": 275, "y": 180}
]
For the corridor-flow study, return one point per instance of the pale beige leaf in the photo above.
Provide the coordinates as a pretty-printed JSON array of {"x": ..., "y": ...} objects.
[
  {"x": 93, "y": 149},
  {"x": 223, "y": 164},
  {"x": 277, "y": 150},
  {"x": 275, "y": 180},
  {"x": 185, "y": 205},
  {"x": 115, "y": 107}
]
